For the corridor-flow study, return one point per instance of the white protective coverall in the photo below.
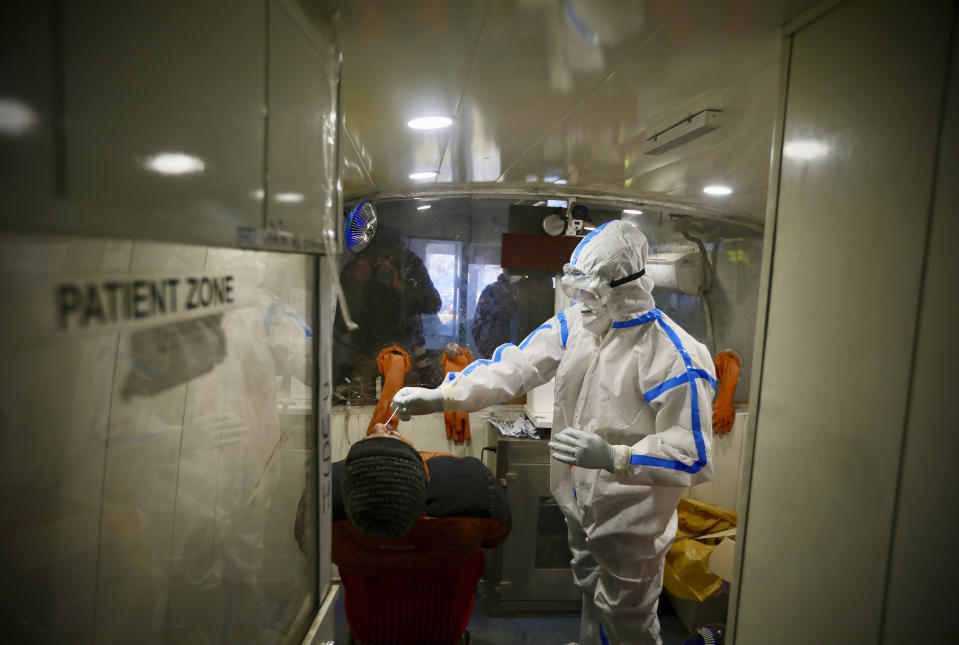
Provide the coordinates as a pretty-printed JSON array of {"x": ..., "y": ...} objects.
[{"x": 642, "y": 382}]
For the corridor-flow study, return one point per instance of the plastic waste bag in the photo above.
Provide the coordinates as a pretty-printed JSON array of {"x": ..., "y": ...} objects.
[{"x": 687, "y": 573}]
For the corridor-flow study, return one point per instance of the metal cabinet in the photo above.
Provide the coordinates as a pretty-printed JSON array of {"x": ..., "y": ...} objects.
[{"x": 530, "y": 571}]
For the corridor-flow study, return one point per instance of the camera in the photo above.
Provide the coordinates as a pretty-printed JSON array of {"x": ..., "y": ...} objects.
[{"x": 384, "y": 273}]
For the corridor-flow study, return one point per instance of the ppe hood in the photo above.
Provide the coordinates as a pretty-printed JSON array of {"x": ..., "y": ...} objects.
[{"x": 616, "y": 250}]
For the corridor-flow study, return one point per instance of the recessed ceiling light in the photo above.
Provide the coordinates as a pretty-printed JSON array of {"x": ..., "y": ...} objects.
[
  {"x": 289, "y": 198},
  {"x": 426, "y": 174},
  {"x": 805, "y": 149},
  {"x": 423, "y": 207},
  {"x": 631, "y": 211},
  {"x": 15, "y": 117},
  {"x": 430, "y": 122},
  {"x": 716, "y": 189},
  {"x": 174, "y": 163}
]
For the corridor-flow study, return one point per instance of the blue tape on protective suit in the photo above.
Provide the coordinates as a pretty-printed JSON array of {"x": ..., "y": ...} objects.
[
  {"x": 270, "y": 313},
  {"x": 472, "y": 366},
  {"x": 533, "y": 333},
  {"x": 306, "y": 328},
  {"x": 690, "y": 376},
  {"x": 581, "y": 245},
  {"x": 602, "y": 634},
  {"x": 679, "y": 380},
  {"x": 498, "y": 354},
  {"x": 641, "y": 320},
  {"x": 563, "y": 329}
]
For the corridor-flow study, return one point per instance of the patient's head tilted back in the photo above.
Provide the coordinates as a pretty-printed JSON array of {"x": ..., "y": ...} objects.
[{"x": 384, "y": 486}]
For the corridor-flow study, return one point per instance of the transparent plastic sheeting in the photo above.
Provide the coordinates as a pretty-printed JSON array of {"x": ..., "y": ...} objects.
[
  {"x": 158, "y": 472},
  {"x": 438, "y": 272}
]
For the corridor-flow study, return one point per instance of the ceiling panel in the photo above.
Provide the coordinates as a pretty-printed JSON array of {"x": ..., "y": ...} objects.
[
  {"x": 547, "y": 90},
  {"x": 402, "y": 60},
  {"x": 535, "y": 62},
  {"x": 684, "y": 178},
  {"x": 683, "y": 68},
  {"x": 748, "y": 112}
]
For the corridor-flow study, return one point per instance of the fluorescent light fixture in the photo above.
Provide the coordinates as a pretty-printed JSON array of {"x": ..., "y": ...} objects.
[
  {"x": 426, "y": 174},
  {"x": 430, "y": 122},
  {"x": 174, "y": 163},
  {"x": 532, "y": 179},
  {"x": 560, "y": 181},
  {"x": 257, "y": 194},
  {"x": 685, "y": 130},
  {"x": 424, "y": 207},
  {"x": 716, "y": 189},
  {"x": 289, "y": 198},
  {"x": 15, "y": 117},
  {"x": 557, "y": 203},
  {"x": 805, "y": 149},
  {"x": 631, "y": 211}
]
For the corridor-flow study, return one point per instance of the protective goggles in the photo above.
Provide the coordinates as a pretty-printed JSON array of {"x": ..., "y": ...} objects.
[{"x": 580, "y": 287}]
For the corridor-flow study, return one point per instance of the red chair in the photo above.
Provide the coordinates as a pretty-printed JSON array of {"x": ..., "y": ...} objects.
[{"x": 432, "y": 609}]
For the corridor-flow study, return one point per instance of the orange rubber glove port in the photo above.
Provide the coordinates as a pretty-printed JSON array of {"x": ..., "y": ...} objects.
[
  {"x": 393, "y": 364},
  {"x": 727, "y": 372},
  {"x": 457, "y": 423}
]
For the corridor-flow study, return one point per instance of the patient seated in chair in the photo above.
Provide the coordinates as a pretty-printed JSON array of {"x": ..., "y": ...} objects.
[{"x": 409, "y": 528}]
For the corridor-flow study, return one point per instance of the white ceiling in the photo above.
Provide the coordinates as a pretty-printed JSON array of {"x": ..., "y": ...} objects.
[{"x": 547, "y": 90}]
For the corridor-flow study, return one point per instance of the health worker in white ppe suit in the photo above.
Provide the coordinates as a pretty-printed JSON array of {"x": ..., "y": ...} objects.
[{"x": 633, "y": 395}]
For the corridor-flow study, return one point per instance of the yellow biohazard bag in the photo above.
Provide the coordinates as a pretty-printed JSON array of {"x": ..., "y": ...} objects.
[{"x": 687, "y": 573}]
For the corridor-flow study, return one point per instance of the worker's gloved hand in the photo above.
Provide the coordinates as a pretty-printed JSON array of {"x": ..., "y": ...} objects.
[
  {"x": 417, "y": 400},
  {"x": 584, "y": 449}
]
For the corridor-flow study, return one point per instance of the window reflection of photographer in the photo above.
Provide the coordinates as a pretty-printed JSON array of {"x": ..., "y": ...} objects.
[
  {"x": 496, "y": 320},
  {"x": 388, "y": 289}
]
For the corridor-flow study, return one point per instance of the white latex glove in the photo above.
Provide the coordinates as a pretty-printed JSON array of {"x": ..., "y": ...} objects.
[
  {"x": 584, "y": 449},
  {"x": 417, "y": 400}
]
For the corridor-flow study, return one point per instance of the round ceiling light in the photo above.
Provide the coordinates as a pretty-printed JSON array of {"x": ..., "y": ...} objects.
[
  {"x": 174, "y": 163},
  {"x": 430, "y": 122},
  {"x": 716, "y": 189},
  {"x": 427, "y": 174}
]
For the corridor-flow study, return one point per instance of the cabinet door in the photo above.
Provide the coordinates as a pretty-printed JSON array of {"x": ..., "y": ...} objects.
[{"x": 536, "y": 557}]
